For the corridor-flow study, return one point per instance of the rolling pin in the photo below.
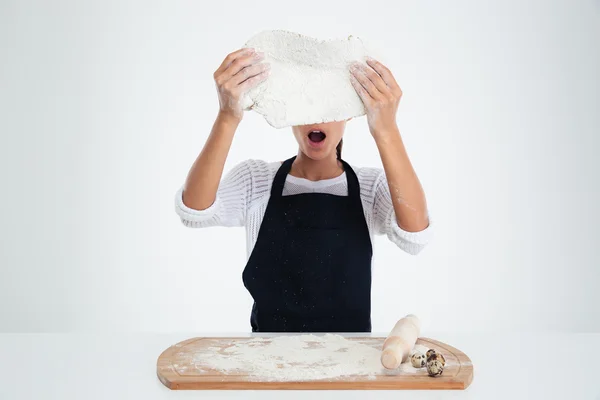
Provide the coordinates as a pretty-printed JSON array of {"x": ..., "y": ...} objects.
[{"x": 400, "y": 341}]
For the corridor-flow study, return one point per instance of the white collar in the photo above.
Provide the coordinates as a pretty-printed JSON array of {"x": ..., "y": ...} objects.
[{"x": 320, "y": 183}]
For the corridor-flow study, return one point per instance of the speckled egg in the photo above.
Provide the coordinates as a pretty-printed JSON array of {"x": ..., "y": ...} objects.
[
  {"x": 437, "y": 356},
  {"x": 429, "y": 353},
  {"x": 435, "y": 367},
  {"x": 418, "y": 359}
]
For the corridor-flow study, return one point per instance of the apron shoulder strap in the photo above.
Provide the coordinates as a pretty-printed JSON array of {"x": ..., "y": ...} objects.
[
  {"x": 280, "y": 176},
  {"x": 353, "y": 185}
]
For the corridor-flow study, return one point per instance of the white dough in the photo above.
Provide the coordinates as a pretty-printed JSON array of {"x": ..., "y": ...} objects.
[{"x": 309, "y": 81}]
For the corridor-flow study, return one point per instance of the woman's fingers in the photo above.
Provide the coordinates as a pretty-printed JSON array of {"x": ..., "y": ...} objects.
[
  {"x": 362, "y": 92},
  {"x": 234, "y": 63},
  {"x": 249, "y": 72},
  {"x": 385, "y": 74},
  {"x": 240, "y": 63},
  {"x": 252, "y": 82},
  {"x": 376, "y": 79},
  {"x": 366, "y": 83},
  {"x": 231, "y": 58}
]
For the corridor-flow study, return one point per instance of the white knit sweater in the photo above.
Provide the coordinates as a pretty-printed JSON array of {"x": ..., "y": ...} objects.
[{"x": 244, "y": 192}]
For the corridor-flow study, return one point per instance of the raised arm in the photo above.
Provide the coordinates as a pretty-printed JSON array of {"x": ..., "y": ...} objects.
[
  {"x": 239, "y": 72},
  {"x": 381, "y": 95}
]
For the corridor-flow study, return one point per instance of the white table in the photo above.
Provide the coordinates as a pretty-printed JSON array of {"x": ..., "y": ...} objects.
[{"x": 123, "y": 366}]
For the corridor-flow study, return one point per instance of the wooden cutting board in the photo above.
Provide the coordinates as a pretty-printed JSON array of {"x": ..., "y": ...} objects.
[{"x": 177, "y": 370}]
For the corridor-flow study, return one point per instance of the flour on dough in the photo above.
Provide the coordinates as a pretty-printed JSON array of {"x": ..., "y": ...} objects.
[{"x": 309, "y": 80}]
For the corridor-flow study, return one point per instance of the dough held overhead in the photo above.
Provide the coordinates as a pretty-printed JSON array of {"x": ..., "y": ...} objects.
[{"x": 309, "y": 81}]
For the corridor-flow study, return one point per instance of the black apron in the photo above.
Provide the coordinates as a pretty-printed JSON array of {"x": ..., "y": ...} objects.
[{"x": 310, "y": 269}]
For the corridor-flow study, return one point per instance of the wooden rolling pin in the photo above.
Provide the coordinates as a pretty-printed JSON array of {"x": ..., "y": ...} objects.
[{"x": 400, "y": 341}]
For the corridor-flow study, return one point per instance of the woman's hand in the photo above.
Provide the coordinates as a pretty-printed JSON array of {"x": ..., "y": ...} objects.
[
  {"x": 380, "y": 94},
  {"x": 239, "y": 72}
]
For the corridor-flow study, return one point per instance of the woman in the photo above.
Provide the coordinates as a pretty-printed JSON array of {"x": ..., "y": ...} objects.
[{"x": 310, "y": 219}]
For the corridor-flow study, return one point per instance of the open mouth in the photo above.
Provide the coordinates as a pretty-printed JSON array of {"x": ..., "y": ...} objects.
[{"x": 316, "y": 136}]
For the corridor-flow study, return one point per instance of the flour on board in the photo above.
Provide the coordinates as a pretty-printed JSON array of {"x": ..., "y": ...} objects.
[{"x": 299, "y": 358}]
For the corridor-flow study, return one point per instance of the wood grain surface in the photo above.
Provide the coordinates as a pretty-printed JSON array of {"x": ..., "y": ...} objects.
[{"x": 176, "y": 370}]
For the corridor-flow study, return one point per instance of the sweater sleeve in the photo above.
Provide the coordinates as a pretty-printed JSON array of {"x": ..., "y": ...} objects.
[
  {"x": 230, "y": 205},
  {"x": 385, "y": 222}
]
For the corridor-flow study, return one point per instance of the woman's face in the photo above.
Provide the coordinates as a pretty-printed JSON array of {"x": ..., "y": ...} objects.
[{"x": 318, "y": 141}]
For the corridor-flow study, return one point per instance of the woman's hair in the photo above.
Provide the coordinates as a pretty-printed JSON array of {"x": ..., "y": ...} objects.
[{"x": 338, "y": 149}]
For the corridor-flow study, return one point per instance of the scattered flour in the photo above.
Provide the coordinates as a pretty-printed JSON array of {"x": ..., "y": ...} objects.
[{"x": 299, "y": 358}]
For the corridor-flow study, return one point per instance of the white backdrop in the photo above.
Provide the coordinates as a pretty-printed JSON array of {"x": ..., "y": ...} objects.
[{"x": 105, "y": 105}]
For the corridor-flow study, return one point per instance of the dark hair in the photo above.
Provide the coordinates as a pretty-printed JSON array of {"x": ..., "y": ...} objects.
[{"x": 338, "y": 149}]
